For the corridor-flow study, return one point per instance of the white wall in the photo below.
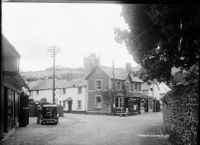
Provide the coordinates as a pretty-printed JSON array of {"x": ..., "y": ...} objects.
[
  {"x": 75, "y": 96},
  {"x": 46, "y": 94},
  {"x": 69, "y": 93}
]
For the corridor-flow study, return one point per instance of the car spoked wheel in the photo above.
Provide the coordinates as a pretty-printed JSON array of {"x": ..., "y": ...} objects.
[{"x": 43, "y": 122}]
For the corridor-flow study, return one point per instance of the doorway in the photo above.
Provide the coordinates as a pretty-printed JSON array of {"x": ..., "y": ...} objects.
[{"x": 69, "y": 106}]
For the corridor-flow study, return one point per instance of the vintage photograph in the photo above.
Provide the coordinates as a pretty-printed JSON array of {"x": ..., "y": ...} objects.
[{"x": 99, "y": 73}]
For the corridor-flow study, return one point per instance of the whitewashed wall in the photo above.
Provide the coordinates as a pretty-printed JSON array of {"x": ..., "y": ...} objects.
[
  {"x": 46, "y": 94},
  {"x": 60, "y": 97},
  {"x": 75, "y": 96}
]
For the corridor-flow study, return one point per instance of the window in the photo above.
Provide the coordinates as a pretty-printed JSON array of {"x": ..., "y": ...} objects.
[
  {"x": 135, "y": 87},
  {"x": 37, "y": 92},
  {"x": 98, "y": 102},
  {"x": 118, "y": 85},
  {"x": 119, "y": 102},
  {"x": 79, "y": 90},
  {"x": 64, "y": 90},
  {"x": 128, "y": 85},
  {"x": 79, "y": 103},
  {"x": 98, "y": 84},
  {"x": 139, "y": 87}
]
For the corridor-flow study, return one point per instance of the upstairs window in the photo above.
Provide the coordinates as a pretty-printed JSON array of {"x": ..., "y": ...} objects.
[
  {"x": 135, "y": 86},
  {"x": 37, "y": 92},
  {"x": 79, "y": 90},
  {"x": 139, "y": 87},
  {"x": 118, "y": 85},
  {"x": 64, "y": 91},
  {"x": 98, "y": 84},
  {"x": 128, "y": 86}
]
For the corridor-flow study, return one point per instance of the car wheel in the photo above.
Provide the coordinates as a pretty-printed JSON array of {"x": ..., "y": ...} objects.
[{"x": 56, "y": 123}]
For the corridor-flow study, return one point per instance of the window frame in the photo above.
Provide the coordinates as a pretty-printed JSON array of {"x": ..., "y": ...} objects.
[
  {"x": 128, "y": 85},
  {"x": 139, "y": 87},
  {"x": 37, "y": 92},
  {"x": 118, "y": 85},
  {"x": 119, "y": 102},
  {"x": 79, "y": 101},
  {"x": 136, "y": 87},
  {"x": 63, "y": 91},
  {"x": 95, "y": 83},
  {"x": 80, "y": 90}
]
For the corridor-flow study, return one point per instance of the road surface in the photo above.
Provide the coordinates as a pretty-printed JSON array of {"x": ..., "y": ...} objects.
[{"x": 83, "y": 129}]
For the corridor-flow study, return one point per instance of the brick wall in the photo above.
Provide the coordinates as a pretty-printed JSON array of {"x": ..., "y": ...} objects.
[
  {"x": 180, "y": 113},
  {"x": 92, "y": 92},
  {"x": 105, "y": 108},
  {"x": 98, "y": 75}
]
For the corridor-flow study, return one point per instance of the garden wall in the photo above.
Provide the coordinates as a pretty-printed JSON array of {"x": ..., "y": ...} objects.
[{"x": 180, "y": 111}]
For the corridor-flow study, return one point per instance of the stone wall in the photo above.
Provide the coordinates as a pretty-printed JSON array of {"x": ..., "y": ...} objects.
[
  {"x": 180, "y": 112},
  {"x": 105, "y": 108}
]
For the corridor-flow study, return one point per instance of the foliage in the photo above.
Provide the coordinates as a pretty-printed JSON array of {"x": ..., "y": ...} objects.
[
  {"x": 184, "y": 82},
  {"x": 182, "y": 107},
  {"x": 142, "y": 74},
  {"x": 162, "y": 36}
]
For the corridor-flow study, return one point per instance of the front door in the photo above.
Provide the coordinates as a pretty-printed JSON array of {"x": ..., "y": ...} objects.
[{"x": 70, "y": 105}]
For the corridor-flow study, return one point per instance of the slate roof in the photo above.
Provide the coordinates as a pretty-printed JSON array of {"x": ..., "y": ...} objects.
[
  {"x": 162, "y": 87},
  {"x": 8, "y": 48},
  {"x": 48, "y": 84},
  {"x": 119, "y": 72},
  {"x": 135, "y": 79},
  {"x": 13, "y": 80}
]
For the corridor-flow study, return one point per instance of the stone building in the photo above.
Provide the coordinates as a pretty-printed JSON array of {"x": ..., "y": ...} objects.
[
  {"x": 72, "y": 95},
  {"x": 12, "y": 85},
  {"x": 113, "y": 90}
]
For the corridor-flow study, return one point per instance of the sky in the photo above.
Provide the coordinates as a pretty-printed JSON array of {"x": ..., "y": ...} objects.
[{"x": 77, "y": 29}]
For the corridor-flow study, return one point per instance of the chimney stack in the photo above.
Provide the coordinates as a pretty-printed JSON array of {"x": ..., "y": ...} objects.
[{"x": 90, "y": 62}]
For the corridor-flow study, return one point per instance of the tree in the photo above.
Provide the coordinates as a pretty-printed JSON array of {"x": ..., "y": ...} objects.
[{"x": 162, "y": 36}]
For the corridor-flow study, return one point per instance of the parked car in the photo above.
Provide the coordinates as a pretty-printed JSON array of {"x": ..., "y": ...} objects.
[{"x": 50, "y": 114}]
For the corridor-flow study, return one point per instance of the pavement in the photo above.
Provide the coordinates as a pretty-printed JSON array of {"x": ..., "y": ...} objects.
[{"x": 84, "y": 129}]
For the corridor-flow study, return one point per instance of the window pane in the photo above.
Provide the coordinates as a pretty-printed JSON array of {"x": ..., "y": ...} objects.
[
  {"x": 80, "y": 90},
  {"x": 98, "y": 84},
  {"x": 64, "y": 90},
  {"x": 136, "y": 86},
  {"x": 116, "y": 102},
  {"x": 118, "y": 85},
  {"x": 139, "y": 87},
  {"x": 79, "y": 103},
  {"x": 128, "y": 86}
]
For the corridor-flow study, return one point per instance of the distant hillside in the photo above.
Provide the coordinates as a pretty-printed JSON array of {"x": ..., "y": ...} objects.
[
  {"x": 61, "y": 68},
  {"x": 61, "y": 73},
  {"x": 67, "y": 73}
]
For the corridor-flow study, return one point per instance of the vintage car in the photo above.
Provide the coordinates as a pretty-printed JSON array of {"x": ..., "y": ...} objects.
[{"x": 50, "y": 114}]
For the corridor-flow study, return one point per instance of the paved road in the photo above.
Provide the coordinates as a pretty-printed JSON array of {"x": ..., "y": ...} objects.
[{"x": 81, "y": 129}]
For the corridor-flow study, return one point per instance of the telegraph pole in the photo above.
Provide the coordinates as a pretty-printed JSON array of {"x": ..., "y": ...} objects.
[{"x": 53, "y": 50}]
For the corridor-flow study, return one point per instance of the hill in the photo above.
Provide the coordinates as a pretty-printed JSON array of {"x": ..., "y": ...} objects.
[{"x": 60, "y": 73}]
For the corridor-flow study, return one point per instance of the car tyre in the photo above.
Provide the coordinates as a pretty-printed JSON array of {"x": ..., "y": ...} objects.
[{"x": 43, "y": 123}]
